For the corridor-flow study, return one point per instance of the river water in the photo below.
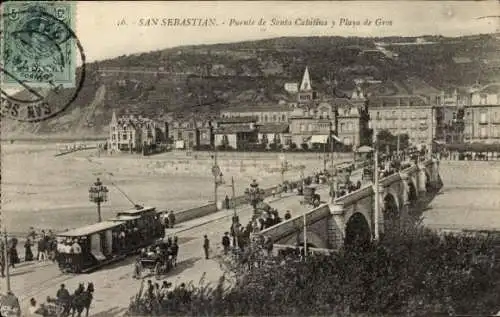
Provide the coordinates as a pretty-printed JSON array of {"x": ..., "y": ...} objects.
[{"x": 470, "y": 198}]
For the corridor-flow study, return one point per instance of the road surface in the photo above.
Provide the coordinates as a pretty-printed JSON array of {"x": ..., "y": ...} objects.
[{"x": 115, "y": 285}]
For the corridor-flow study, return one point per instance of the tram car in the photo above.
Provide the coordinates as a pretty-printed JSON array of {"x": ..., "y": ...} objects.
[{"x": 108, "y": 241}]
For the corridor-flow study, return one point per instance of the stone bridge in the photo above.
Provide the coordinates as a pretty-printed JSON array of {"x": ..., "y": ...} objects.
[{"x": 351, "y": 217}]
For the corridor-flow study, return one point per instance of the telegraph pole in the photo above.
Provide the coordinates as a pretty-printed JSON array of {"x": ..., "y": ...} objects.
[
  {"x": 7, "y": 262},
  {"x": 215, "y": 172},
  {"x": 375, "y": 189},
  {"x": 331, "y": 154},
  {"x": 305, "y": 236},
  {"x": 234, "y": 195}
]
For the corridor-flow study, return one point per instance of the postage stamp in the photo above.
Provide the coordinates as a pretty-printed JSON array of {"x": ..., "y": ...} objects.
[
  {"x": 38, "y": 50},
  {"x": 43, "y": 63}
]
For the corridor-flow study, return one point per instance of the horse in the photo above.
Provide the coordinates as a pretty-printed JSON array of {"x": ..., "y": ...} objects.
[{"x": 82, "y": 300}]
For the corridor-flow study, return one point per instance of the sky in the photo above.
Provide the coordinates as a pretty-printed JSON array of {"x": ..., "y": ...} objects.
[{"x": 110, "y": 29}]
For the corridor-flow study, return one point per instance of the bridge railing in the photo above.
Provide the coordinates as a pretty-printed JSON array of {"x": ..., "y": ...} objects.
[
  {"x": 288, "y": 227},
  {"x": 300, "y": 249}
]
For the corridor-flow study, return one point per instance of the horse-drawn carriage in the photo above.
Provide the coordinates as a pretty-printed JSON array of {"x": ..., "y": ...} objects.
[
  {"x": 159, "y": 260},
  {"x": 310, "y": 196}
]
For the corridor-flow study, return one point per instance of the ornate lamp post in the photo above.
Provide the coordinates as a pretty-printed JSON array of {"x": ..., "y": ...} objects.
[
  {"x": 254, "y": 194},
  {"x": 98, "y": 193}
]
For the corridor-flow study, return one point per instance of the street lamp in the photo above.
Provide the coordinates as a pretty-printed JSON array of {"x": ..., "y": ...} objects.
[
  {"x": 98, "y": 193},
  {"x": 284, "y": 167},
  {"x": 254, "y": 194}
]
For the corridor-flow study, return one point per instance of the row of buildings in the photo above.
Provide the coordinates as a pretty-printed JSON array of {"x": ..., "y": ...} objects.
[{"x": 470, "y": 114}]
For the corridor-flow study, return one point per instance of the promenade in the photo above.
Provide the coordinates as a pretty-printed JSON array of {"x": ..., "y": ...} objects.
[{"x": 115, "y": 285}]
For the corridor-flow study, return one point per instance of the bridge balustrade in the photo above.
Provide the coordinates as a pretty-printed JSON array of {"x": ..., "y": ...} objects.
[{"x": 300, "y": 249}]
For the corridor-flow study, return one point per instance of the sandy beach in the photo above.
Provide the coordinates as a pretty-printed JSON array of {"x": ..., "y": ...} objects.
[{"x": 44, "y": 191}]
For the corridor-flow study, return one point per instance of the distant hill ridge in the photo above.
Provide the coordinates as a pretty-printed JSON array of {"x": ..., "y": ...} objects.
[{"x": 206, "y": 78}]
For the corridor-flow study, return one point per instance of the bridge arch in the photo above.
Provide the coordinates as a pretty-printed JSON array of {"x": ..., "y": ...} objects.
[
  {"x": 357, "y": 230},
  {"x": 313, "y": 240},
  {"x": 391, "y": 212}
]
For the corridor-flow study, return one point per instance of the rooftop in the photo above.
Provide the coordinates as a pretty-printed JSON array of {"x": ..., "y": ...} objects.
[
  {"x": 246, "y": 119},
  {"x": 490, "y": 89},
  {"x": 233, "y": 129},
  {"x": 274, "y": 128},
  {"x": 394, "y": 101},
  {"x": 90, "y": 229},
  {"x": 259, "y": 108}
]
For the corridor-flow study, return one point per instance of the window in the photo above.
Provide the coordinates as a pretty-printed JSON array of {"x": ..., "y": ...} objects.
[
  {"x": 309, "y": 127},
  {"x": 482, "y": 118},
  {"x": 483, "y": 133},
  {"x": 113, "y": 137},
  {"x": 378, "y": 115},
  {"x": 413, "y": 114},
  {"x": 349, "y": 126},
  {"x": 393, "y": 114},
  {"x": 283, "y": 117},
  {"x": 275, "y": 118},
  {"x": 342, "y": 127},
  {"x": 265, "y": 118},
  {"x": 204, "y": 135},
  {"x": 124, "y": 136},
  {"x": 483, "y": 98},
  {"x": 347, "y": 141},
  {"x": 302, "y": 127},
  {"x": 403, "y": 114},
  {"x": 179, "y": 135}
]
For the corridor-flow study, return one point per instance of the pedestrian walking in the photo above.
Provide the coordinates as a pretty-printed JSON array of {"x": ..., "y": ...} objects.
[
  {"x": 226, "y": 242},
  {"x": 171, "y": 219},
  {"x": 206, "y": 246},
  {"x": 288, "y": 215},
  {"x": 2, "y": 258},
  {"x": 28, "y": 254},
  {"x": 227, "y": 202},
  {"x": 41, "y": 249}
]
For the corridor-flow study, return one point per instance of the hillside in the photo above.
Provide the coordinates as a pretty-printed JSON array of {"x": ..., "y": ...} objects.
[{"x": 207, "y": 78}]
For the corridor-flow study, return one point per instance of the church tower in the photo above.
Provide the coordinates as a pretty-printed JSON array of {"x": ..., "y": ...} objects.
[
  {"x": 306, "y": 93},
  {"x": 113, "y": 119}
]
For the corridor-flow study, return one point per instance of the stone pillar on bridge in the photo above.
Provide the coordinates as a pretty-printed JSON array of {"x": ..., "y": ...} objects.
[
  {"x": 435, "y": 171},
  {"x": 382, "y": 207},
  {"x": 405, "y": 201},
  {"x": 336, "y": 226},
  {"x": 422, "y": 179}
]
